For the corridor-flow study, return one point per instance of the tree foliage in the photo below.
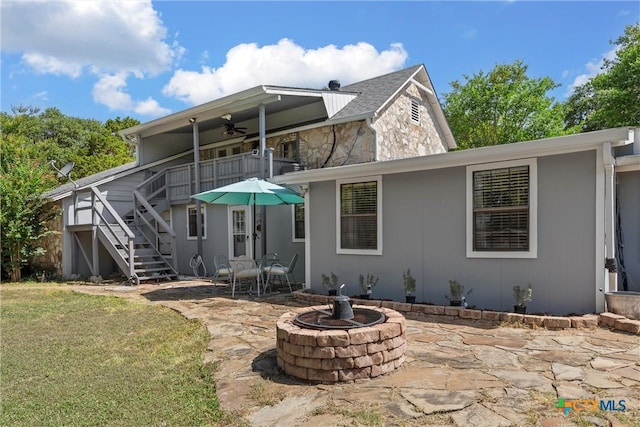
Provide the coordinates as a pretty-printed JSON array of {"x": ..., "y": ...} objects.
[
  {"x": 90, "y": 144},
  {"x": 502, "y": 106},
  {"x": 24, "y": 213},
  {"x": 29, "y": 140},
  {"x": 611, "y": 98}
]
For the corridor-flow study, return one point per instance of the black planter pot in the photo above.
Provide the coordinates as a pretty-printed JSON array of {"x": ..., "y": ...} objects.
[
  {"x": 364, "y": 296},
  {"x": 411, "y": 299},
  {"x": 455, "y": 303},
  {"x": 333, "y": 292},
  {"x": 520, "y": 309}
]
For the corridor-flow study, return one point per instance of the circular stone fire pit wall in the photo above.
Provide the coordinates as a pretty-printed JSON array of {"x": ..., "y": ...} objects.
[{"x": 340, "y": 355}]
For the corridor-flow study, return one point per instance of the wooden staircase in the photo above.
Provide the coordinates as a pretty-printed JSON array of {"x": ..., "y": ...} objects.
[{"x": 148, "y": 263}]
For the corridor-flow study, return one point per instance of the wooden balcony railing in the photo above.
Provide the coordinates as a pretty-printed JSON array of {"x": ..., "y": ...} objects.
[{"x": 177, "y": 184}]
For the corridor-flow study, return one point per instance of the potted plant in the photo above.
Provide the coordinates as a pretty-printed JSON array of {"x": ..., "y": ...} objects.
[
  {"x": 409, "y": 286},
  {"x": 366, "y": 284},
  {"x": 330, "y": 283},
  {"x": 456, "y": 293},
  {"x": 522, "y": 296}
]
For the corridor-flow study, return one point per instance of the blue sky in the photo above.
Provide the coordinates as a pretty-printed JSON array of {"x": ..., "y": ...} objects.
[{"x": 99, "y": 59}]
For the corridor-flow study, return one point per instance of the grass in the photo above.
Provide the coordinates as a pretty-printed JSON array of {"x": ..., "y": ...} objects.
[
  {"x": 77, "y": 360},
  {"x": 265, "y": 395}
]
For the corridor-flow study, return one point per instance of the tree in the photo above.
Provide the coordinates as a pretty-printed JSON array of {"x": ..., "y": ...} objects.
[
  {"x": 24, "y": 212},
  {"x": 29, "y": 140},
  {"x": 502, "y": 106},
  {"x": 91, "y": 145},
  {"x": 611, "y": 98}
]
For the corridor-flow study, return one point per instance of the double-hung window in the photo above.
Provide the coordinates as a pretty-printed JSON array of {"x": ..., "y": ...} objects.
[
  {"x": 359, "y": 216},
  {"x": 192, "y": 222},
  {"x": 501, "y": 210},
  {"x": 298, "y": 222}
]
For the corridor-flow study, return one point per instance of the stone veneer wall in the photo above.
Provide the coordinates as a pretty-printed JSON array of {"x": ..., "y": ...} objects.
[
  {"x": 355, "y": 143},
  {"x": 51, "y": 261},
  {"x": 398, "y": 137}
]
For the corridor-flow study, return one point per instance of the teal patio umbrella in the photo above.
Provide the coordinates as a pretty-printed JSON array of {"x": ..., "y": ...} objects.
[{"x": 251, "y": 192}]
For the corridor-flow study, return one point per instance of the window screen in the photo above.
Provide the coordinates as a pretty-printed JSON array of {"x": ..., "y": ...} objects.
[
  {"x": 358, "y": 215},
  {"x": 501, "y": 209}
]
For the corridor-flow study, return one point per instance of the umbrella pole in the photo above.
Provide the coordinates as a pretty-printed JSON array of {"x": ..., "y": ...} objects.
[{"x": 253, "y": 230}]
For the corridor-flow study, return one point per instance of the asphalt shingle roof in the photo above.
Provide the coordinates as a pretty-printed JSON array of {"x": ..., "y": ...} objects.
[
  {"x": 88, "y": 180},
  {"x": 374, "y": 92}
]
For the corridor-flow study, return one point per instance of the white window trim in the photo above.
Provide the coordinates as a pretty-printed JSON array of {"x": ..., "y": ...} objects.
[
  {"x": 204, "y": 221},
  {"x": 293, "y": 225},
  {"x": 533, "y": 210},
  {"x": 340, "y": 250}
]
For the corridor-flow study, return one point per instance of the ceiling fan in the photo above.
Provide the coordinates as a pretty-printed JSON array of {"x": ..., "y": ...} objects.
[{"x": 230, "y": 128}]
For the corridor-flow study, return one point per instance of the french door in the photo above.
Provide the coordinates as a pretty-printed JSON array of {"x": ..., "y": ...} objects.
[{"x": 240, "y": 232}]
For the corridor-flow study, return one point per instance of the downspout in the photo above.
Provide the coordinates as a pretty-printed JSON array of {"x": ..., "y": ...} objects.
[
  {"x": 609, "y": 218},
  {"x": 375, "y": 138},
  {"x": 196, "y": 168},
  {"x": 263, "y": 210}
]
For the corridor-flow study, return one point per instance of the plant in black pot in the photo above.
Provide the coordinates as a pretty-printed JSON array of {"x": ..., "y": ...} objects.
[
  {"x": 456, "y": 293},
  {"x": 522, "y": 296},
  {"x": 330, "y": 283},
  {"x": 367, "y": 284},
  {"x": 409, "y": 286}
]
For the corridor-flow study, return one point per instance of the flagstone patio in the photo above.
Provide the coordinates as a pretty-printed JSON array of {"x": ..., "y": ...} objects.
[{"x": 456, "y": 371}]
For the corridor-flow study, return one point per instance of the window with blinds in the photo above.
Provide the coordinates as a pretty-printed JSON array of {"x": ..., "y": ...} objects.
[
  {"x": 359, "y": 215},
  {"x": 501, "y": 209}
]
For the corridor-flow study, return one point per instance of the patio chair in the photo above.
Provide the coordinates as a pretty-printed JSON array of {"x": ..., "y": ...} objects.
[
  {"x": 244, "y": 268},
  {"x": 266, "y": 262},
  {"x": 223, "y": 268},
  {"x": 283, "y": 270}
]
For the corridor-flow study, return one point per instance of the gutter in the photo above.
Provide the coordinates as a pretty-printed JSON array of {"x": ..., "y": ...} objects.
[{"x": 521, "y": 150}]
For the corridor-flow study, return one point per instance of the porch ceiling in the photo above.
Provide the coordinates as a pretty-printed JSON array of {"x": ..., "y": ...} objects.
[{"x": 300, "y": 107}]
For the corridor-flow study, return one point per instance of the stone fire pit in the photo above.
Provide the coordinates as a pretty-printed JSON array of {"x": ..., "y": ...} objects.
[{"x": 334, "y": 355}]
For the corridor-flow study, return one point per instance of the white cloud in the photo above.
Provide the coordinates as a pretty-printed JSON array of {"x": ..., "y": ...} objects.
[
  {"x": 44, "y": 64},
  {"x": 593, "y": 68},
  {"x": 110, "y": 91},
  {"x": 112, "y": 35},
  {"x": 284, "y": 63},
  {"x": 68, "y": 37}
]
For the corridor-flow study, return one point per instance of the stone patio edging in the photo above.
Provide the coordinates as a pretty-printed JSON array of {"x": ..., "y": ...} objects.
[{"x": 608, "y": 320}]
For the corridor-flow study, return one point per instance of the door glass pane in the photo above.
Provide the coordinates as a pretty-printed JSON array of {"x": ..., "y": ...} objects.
[{"x": 239, "y": 233}]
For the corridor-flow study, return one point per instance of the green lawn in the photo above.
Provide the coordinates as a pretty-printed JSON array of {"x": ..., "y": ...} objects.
[{"x": 77, "y": 360}]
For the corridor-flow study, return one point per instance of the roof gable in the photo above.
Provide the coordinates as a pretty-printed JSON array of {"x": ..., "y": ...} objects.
[{"x": 374, "y": 93}]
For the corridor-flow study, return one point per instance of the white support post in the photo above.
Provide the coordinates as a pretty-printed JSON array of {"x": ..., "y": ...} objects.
[
  {"x": 609, "y": 217},
  {"x": 196, "y": 169}
]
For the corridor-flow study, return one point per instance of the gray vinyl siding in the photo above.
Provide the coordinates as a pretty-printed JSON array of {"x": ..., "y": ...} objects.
[
  {"x": 424, "y": 229},
  {"x": 629, "y": 205},
  {"x": 217, "y": 241}
]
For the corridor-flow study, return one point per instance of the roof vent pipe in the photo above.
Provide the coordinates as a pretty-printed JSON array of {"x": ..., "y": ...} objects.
[{"x": 334, "y": 85}]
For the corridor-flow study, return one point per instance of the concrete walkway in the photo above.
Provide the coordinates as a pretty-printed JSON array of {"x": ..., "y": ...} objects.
[{"x": 462, "y": 372}]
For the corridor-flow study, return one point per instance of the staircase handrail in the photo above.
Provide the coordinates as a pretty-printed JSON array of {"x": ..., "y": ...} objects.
[
  {"x": 152, "y": 178},
  {"x": 113, "y": 213},
  {"x": 121, "y": 224},
  {"x": 161, "y": 222}
]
